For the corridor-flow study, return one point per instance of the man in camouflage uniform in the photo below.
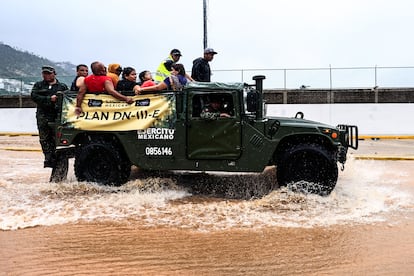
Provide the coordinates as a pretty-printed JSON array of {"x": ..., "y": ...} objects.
[
  {"x": 44, "y": 95},
  {"x": 213, "y": 110}
]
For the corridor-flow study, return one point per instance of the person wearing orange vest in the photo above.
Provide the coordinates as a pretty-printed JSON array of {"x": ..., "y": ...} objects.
[{"x": 114, "y": 70}]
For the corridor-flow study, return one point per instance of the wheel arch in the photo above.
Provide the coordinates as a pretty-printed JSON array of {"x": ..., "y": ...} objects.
[
  {"x": 289, "y": 141},
  {"x": 308, "y": 158},
  {"x": 86, "y": 137}
]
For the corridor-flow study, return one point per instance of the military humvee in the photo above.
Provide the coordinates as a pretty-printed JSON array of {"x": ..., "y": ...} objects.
[{"x": 165, "y": 131}]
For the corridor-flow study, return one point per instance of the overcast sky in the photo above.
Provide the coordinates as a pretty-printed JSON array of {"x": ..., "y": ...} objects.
[{"x": 247, "y": 34}]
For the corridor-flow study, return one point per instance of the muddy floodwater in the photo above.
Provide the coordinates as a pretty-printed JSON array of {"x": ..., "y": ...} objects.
[{"x": 207, "y": 224}]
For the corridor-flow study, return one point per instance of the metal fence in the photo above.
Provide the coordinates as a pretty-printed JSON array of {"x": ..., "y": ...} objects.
[
  {"x": 292, "y": 78},
  {"x": 23, "y": 85},
  {"x": 328, "y": 77}
]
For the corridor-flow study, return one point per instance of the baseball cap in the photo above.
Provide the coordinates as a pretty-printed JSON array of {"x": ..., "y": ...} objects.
[
  {"x": 175, "y": 52},
  {"x": 47, "y": 68},
  {"x": 209, "y": 51}
]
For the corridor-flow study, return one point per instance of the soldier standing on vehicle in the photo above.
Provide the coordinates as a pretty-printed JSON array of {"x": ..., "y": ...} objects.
[
  {"x": 44, "y": 95},
  {"x": 201, "y": 68}
]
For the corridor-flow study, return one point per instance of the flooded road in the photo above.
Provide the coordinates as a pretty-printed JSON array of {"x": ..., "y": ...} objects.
[{"x": 206, "y": 224}]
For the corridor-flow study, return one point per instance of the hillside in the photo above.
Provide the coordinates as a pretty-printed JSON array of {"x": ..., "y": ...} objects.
[{"x": 16, "y": 63}]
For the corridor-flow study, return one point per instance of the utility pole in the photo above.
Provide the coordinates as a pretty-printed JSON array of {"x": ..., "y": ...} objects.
[{"x": 205, "y": 23}]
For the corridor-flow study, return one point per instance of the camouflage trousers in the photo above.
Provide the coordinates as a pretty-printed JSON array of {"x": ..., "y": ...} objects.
[{"x": 46, "y": 137}]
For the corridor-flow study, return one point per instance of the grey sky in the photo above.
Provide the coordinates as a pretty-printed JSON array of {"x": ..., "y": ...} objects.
[{"x": 247, "y": 34}]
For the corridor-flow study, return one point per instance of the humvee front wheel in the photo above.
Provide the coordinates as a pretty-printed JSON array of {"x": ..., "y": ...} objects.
[
  {"x": 308, "y": 168},
  {"x": 102, "y": 161}
]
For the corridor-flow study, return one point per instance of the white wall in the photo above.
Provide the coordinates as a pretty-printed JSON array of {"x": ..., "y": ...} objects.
[
  {"x": 378, "y": 119},
  {"x": 18, "y": 120}
]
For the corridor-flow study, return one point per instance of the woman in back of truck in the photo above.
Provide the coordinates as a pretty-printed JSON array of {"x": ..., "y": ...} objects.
[{"x": 175, "y": 82}]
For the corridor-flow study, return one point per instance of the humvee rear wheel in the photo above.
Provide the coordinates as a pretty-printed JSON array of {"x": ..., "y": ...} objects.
[
  {"x": 308, "y": 168},
  {"x": 102, "y": 161}
]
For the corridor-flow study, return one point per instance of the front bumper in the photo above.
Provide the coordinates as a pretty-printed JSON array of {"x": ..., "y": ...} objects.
[{"x": 349, "y": 139}]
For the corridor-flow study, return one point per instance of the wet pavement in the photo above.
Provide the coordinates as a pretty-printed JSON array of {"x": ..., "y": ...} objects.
[{"x": 384, "y": 149}]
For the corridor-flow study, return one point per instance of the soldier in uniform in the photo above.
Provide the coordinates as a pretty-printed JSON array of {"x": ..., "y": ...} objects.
[
  {"x": 44, "y": 95},
  {"x": 213, "y": 109}
]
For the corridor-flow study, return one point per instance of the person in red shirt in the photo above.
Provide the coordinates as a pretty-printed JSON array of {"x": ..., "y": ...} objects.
[
  {"x": 98, "y": 82},
  {"x": 146, "y": 79}
]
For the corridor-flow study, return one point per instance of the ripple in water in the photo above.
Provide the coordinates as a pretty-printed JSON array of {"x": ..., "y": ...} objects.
[{"x": 204, "y": 201}]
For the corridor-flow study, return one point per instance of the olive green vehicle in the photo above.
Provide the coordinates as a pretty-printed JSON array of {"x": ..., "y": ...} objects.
[{"x": 303, "y": 151}]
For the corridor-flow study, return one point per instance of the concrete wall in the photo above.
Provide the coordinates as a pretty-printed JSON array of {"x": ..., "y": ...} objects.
[
  {"x": 16, "y": 101},
  {"x": 18, "y": 120},
  {"x": 351, "y": 95},
  {"x": 372, "y": 119}
]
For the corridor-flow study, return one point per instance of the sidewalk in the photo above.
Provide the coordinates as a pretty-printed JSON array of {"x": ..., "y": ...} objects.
[{"x": 384, "y": 149}]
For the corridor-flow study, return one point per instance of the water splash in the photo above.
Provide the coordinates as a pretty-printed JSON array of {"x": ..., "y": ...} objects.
[{"x": 364, "y": 194}]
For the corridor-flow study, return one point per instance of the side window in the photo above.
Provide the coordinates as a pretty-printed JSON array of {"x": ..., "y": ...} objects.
[
  {"x": 198, "y": 102},
  {"x": 227, "y": 104},
  {"x": 213, "y": 102}
]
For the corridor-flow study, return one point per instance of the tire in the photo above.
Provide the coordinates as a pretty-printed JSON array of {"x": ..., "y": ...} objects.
[
  {"x": 308, "y": 168},
  {"x": 102, "y": 161}
]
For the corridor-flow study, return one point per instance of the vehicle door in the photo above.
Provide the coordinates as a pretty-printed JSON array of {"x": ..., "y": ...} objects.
[{"x": 218, "y": 138}]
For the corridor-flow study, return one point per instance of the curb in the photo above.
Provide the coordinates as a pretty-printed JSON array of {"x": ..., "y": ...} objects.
[
  {"x": 21, "y": 149},
  {"x": 18, "y": 134},
  {"x": 389, "y": 137},
  {"x": 384, "y": 158}
]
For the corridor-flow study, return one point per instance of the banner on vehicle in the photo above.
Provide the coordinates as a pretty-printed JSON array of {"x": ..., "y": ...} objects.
[{"x": 104, "y": 112}]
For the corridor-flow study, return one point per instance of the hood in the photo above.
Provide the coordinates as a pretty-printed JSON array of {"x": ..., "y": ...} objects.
[{"x": 299, "y": 122}]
